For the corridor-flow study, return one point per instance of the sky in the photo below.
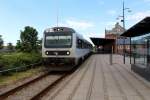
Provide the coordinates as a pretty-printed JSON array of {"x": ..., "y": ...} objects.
[{"x": 88, "y": 17}]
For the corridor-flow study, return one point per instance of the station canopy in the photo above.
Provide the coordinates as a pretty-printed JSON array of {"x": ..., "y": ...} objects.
[
  {"x": 141, "y": 28},
  {"x": 101, "y": 41}
]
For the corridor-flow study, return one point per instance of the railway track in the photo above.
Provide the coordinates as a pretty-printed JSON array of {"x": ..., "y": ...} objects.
[
  {"x": 38, "y": 87},
  {"x": 52, "y": 95},
  {"x": 67, "y": 78},
  {"x": 12, "y": 91},
  {"x": 50, "y": 86},
  {"x": 33, "y": 89}
]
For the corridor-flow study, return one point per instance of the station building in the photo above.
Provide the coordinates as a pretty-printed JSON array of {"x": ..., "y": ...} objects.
[
  {"x": 115, "y": 33},
  {"x": 112, "y": 42}
]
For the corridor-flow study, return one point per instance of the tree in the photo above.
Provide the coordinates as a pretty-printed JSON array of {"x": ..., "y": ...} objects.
[
  {"x": 29, "y": 39},
  {"x": 39, "y": 44},
  {"x": 1, "y": 42},
  {"x": 10, "y": 46},
  {"x": 18, "y": 45}
]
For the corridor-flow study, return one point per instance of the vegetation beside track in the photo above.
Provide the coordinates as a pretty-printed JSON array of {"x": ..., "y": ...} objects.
[
  {"x": 27, "y": 50},
  {"x": 18, "y": 59},
  {"x": 5, "y": 80}
]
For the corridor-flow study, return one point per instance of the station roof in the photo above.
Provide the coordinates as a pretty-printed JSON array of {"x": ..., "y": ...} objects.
[
  {"x": 101, "y": 41},
  {"x": 141, "y": 28}
]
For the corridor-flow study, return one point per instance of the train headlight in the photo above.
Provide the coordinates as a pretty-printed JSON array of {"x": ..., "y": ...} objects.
[
  {"x": 68, "y": 53},
  {"x": 46, "y": 53}
]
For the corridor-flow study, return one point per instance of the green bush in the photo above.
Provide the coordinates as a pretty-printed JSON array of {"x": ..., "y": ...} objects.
[{"x": 12, "y": 60}]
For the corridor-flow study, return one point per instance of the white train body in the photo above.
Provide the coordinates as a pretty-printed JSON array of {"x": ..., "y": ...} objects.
[{"x": 64, "y": 45}]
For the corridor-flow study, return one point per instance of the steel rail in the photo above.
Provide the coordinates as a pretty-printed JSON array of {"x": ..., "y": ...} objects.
[{"x": 14, "y": 90}]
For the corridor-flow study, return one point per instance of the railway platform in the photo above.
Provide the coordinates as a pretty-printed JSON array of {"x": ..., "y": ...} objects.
[{"x": 96, "y": 79}]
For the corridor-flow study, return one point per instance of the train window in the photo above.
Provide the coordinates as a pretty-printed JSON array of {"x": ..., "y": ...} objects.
[
  {"x": 83, "y": 44},
  {"x": 51, "y": 39},
  {"x": 58, "y": 40},
  {"x": 79, "y": 43},
  {"x": 65, "y": 40}
]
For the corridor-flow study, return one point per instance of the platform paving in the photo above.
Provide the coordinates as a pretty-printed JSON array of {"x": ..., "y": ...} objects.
[{"x": 98, "y": 80}]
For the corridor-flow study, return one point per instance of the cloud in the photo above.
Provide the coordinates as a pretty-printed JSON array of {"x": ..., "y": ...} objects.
[
  {"x": 76, "y": 24},
  {"x": 110, "y": 24},
  {"x": 112, "y": 12},
  {"x": 94, "y": 34},
  {"x": 138, "y": 16}
]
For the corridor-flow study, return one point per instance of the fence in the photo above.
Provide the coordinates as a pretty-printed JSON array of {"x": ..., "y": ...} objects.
[{"x": 18, "y": 69}]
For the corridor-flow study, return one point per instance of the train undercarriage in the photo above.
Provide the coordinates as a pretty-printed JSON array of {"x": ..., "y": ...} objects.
[{"x": 60, "y": 64}]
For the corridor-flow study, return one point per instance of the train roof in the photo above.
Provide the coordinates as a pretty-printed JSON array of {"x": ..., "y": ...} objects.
[
  {"x": 82, "y": 38},
  {"x": 60, "y": 29},
  {"x": 65, "y": 29}
]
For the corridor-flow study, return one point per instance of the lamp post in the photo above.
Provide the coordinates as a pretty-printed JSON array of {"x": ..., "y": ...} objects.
[
  {"x": 123, "y": 21},
  {"x": 123, "y": 13}
]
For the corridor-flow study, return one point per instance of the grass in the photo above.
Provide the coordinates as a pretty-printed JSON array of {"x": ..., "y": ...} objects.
[
  {"x": 5, "y": 80},
  {"x": 18, "y": 59}
]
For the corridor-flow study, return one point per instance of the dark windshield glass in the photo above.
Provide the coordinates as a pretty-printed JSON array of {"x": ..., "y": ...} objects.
[{"x": 58, "y": 40}]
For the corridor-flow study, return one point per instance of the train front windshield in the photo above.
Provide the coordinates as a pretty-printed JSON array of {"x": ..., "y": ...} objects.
[{"x": 58, "y": 40}]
